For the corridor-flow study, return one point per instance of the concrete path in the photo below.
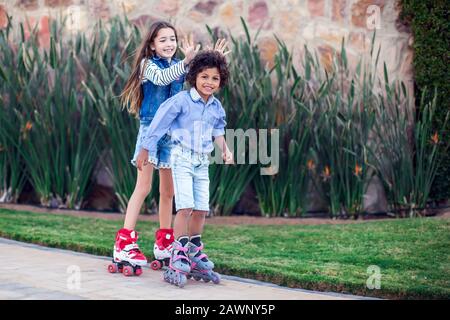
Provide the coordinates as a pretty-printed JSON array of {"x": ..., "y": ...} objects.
[{"x": 33, "y": 272}]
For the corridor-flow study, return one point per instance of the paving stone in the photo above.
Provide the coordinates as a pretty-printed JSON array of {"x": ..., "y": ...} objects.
[{"x": 54, "y": 277}]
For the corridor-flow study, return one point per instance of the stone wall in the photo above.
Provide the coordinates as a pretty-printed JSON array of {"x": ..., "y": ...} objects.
[{"x": 320, "y": 24}]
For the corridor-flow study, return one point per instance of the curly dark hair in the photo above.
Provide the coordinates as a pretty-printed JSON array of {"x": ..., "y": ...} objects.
[{"x": 205, "y": 60}]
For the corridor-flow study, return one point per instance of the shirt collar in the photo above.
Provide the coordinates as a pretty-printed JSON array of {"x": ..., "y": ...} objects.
[{"x": 195, "y": 96}]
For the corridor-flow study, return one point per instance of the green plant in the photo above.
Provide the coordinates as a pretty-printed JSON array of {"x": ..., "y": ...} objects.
[
  {"x": 285, "y": 193},
  {"x": 12, "y": 171},
  {"x": 56, "y": 126},
  {"x": 254, "y": 102},
  {"x": 408, "y": 159},
  {"x": 430, "y": 26},
  {"x": 242, "y": 103},
  {"x": 343, "y": 120}
]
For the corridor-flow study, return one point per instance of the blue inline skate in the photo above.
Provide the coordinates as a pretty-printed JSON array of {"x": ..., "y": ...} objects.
[
  {"x": 179, "y": 265},
  {"x": 201, "y": 266}
]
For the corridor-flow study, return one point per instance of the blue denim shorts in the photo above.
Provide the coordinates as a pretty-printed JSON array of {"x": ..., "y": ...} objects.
[
  {"x": 164, "y": 146},
  {"x": 190, "y": 178}
]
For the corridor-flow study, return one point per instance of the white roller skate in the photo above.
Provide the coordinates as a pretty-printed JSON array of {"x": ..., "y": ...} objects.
[
  {"x": 161, "y": 250},
  {"x": 179, "y": 265},
  {"x": 201, "y": 266},
  {"x": 127, "y": 258}
]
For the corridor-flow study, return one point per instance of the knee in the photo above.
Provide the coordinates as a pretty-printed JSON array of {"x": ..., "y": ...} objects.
[
  {"x": 184, "y": 212},
  {"x": 200, "y": 214},
  {"x": 143, "y": 189}
]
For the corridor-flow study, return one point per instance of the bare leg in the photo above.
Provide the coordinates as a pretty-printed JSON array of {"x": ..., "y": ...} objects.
[
  {"x": 197, "y": 222},
  {"x": 141, "y": 191},
  {"x": 181, "y": 223},
  {"x": 165, "y": 198}
]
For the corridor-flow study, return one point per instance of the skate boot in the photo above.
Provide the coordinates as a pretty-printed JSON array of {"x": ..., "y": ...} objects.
[
  {"x": 179, "y": 265},
  {"x": 127, "y": 257},
  {"x": 161, "y": 249},
  {"x": 201, "y": 266}
]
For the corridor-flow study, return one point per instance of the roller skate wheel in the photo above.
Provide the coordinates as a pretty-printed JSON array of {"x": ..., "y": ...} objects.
[
  {"x": 138, "y": 271},
  {"x": 216, "y": 278},
  {"x": 197, "y": 278},
  {"x": 127, "y": 271},
  {"x": 188, "y": 276},
  {"x": 165, "y": 275},
  {"x": 155, "y": 265},
  {"x": 112, "y": 268},
  {"x": 181, "y": 280},
  {"x": 206, "y": 280}
]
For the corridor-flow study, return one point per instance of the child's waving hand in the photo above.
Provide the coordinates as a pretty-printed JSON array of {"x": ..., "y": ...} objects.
[
  {"x": 220, "y": 46},
  {"x": 188, "y": 48}
]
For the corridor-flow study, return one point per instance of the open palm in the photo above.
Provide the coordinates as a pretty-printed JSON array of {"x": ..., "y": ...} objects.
[
  {"x": 188, "y": 48},
  {"x": 220, "y": 46}
]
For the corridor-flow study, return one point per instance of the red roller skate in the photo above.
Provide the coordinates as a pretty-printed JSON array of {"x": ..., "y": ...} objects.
[
  {"x": 127, "y": 257},
  {"x": 161, "y": 250}
]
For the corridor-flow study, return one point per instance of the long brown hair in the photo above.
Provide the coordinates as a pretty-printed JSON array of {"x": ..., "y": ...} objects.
[{"x": 132, "y": 95}]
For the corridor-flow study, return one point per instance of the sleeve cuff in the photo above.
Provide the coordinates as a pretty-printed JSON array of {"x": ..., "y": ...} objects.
[{"x": 218, "y": 132}]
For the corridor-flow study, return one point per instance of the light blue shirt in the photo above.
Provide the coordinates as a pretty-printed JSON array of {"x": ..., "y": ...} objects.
[{"x": 189, "y": 120}]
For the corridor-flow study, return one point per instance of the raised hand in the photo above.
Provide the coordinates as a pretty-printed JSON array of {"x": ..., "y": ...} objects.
[
  {"x": 188, "y": 48},
  {"x": 220, "y": 46}
]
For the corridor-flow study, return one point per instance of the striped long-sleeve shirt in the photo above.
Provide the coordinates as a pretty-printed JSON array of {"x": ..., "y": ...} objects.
[{"x": 162, "y": 76}]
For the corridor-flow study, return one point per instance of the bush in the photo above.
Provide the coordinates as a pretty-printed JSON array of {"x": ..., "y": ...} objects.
[{"x": 431, "y": 28}]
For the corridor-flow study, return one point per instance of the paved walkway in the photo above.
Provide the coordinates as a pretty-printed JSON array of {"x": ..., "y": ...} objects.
[{"x": 33, "y": 272}]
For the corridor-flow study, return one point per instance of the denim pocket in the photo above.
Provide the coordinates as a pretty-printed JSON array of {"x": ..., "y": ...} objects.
[{"x": 165, "y": 140}]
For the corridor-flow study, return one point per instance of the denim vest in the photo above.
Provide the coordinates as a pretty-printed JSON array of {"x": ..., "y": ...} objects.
[{"x": 155, "y": 95}]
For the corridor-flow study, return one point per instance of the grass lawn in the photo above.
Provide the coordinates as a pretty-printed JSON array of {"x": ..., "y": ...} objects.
[{"x": 412, "y": 254}]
